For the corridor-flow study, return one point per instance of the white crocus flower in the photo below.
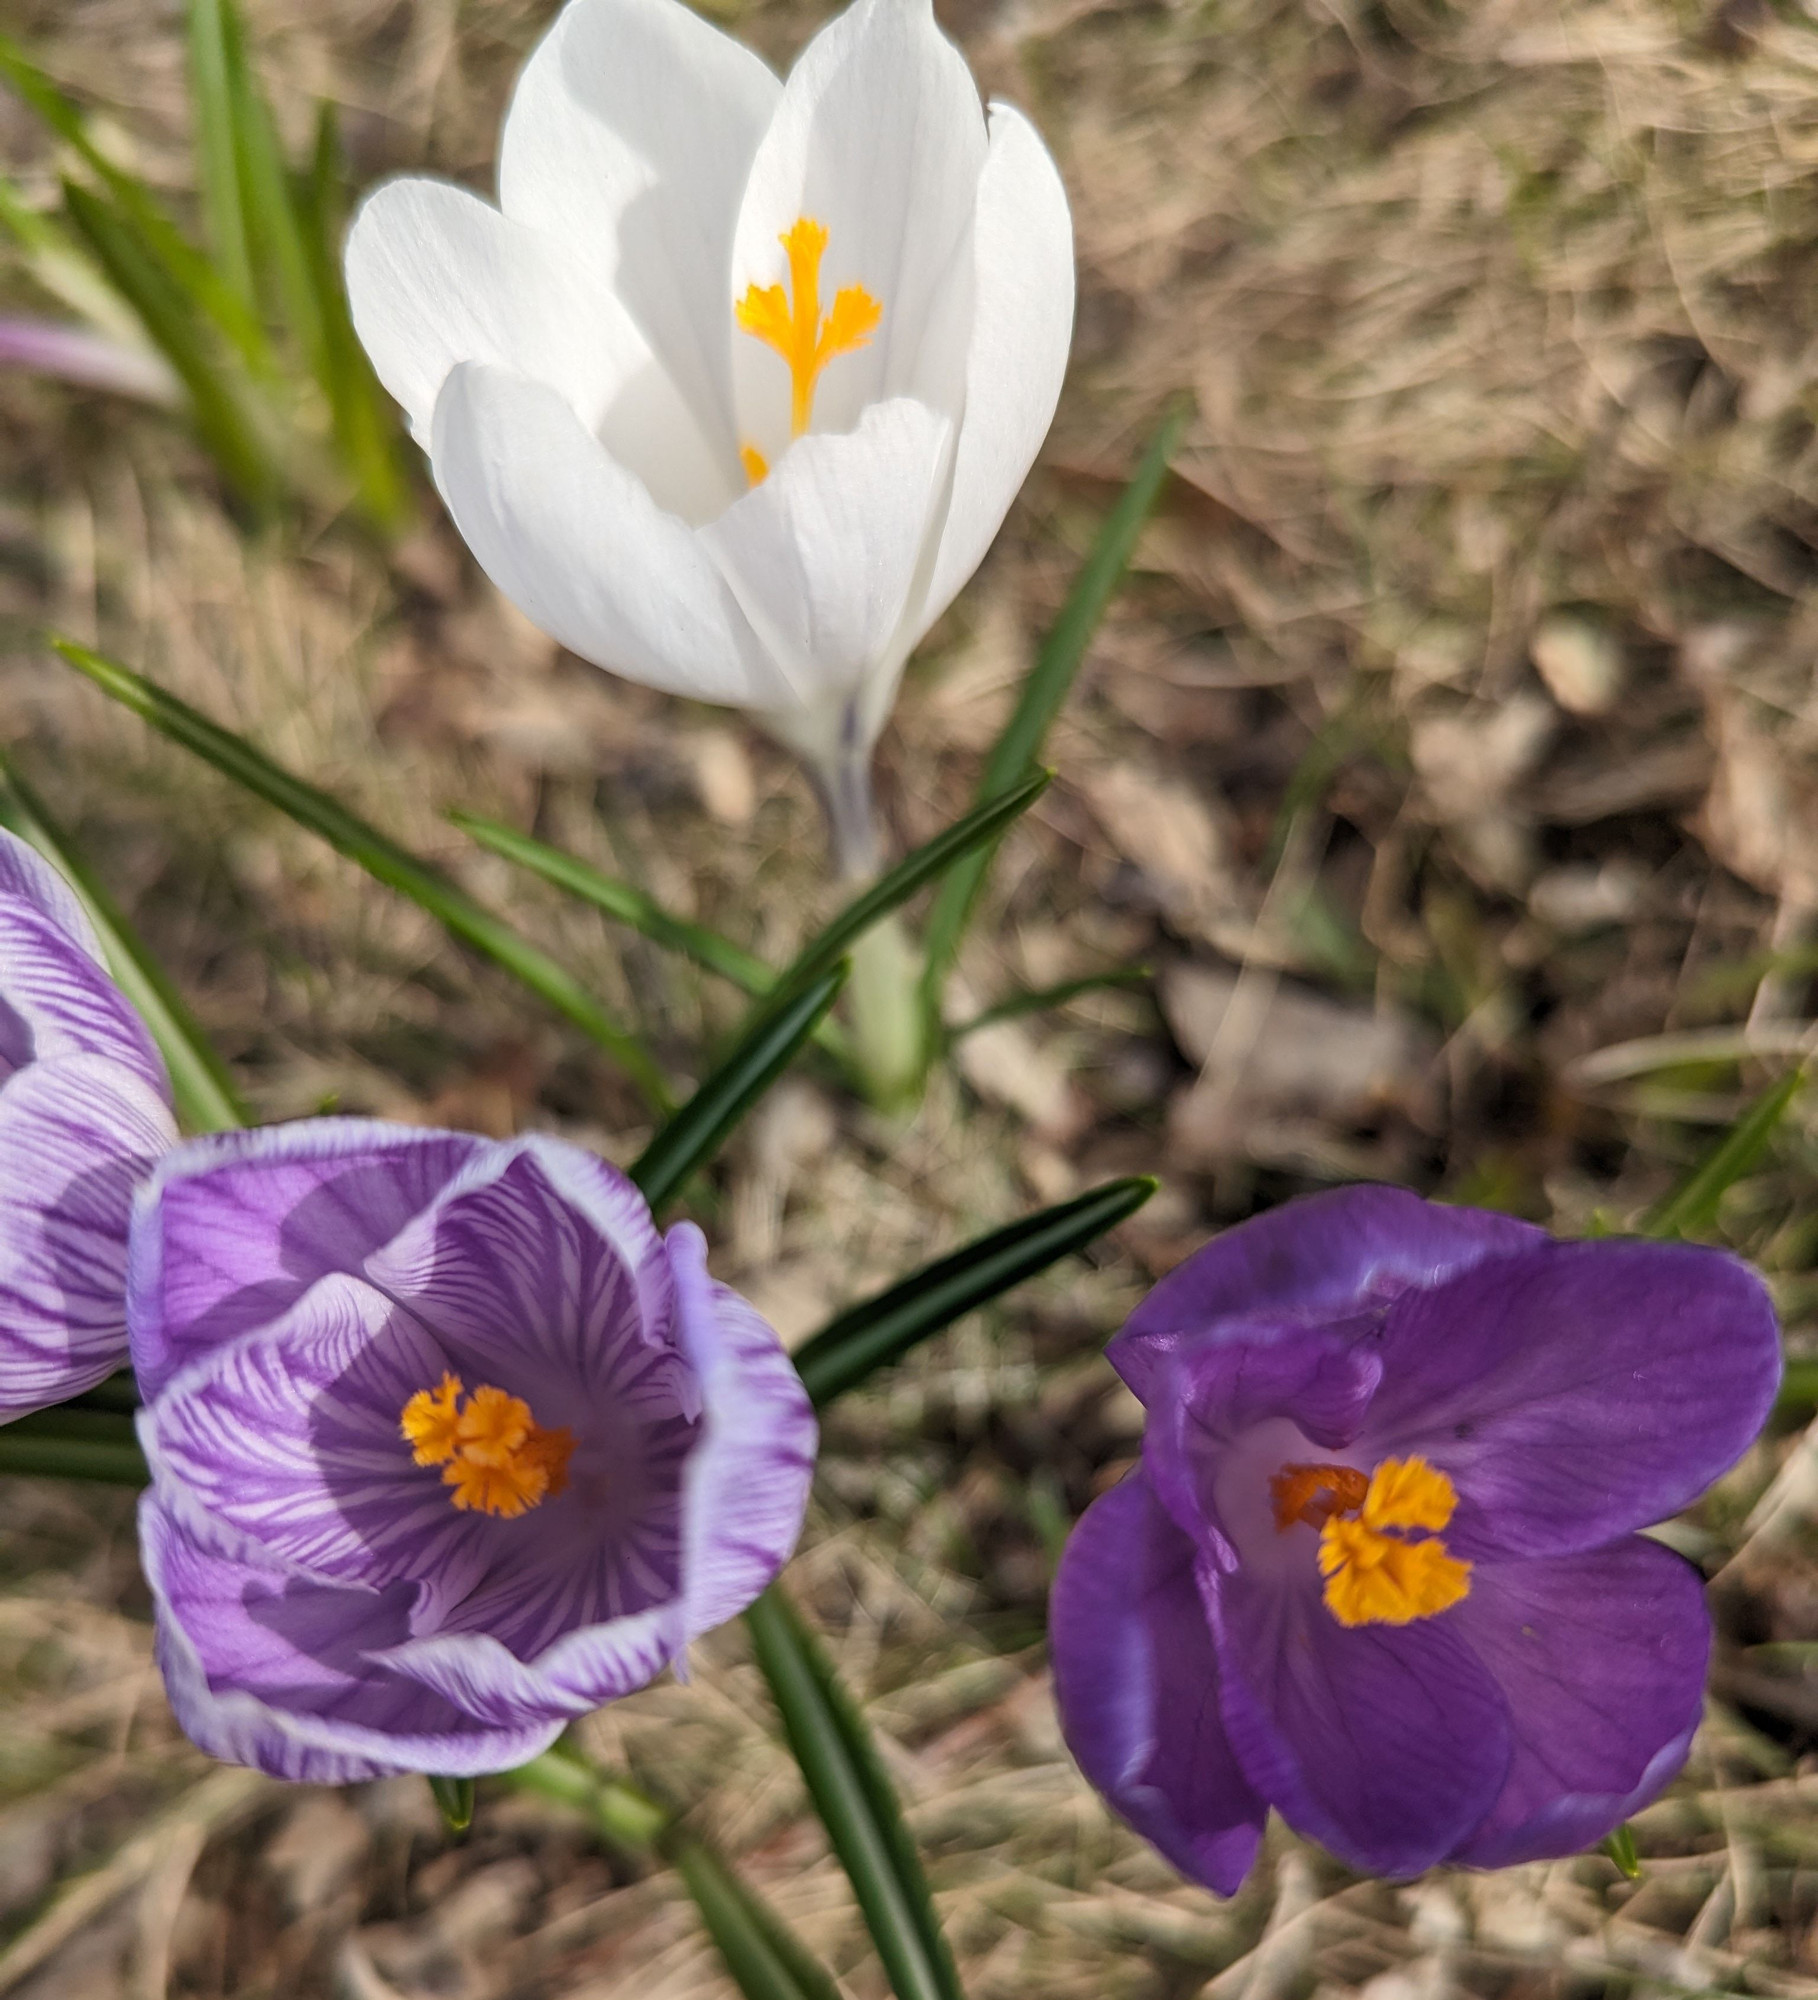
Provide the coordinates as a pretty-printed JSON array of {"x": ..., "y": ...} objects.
[{"x": 733, "y": 389}]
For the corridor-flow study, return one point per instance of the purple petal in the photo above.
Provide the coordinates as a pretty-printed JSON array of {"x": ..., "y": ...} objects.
[
  {"x": 580, "y": 1672},
  {"x": 1137, "y": 1684},
  {"x": 76, "y": 1137},
  {"x": 1327, "y": 1256},
  {"x": 1228, "y": 1413},
  {"x": 748, "y": 1478},
  {"x": 282, "y": 1674},
  {"x": 26, "y": 874},
  {"x": 55, "y": 1000},
  {"x": 90, "y": 360},
  {"x": 1578, "y": 1391},
  {"x": 290, "y": 1438},
  {"x": 1602, "y": 1657},
  {"x": 236, "y": 1227},
  {"x": 1387, "y": 1744},
  {"x": 538, "y": 1267}
]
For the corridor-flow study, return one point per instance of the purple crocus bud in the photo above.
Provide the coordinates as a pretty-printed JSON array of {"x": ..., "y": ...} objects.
[
  {"x": 84, "y": 1113},
  {"x": 1378, "y": 1566},
  {"x": 448, "y": 1445}
]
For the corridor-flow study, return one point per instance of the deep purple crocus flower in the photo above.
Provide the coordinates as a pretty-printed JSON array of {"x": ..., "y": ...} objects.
[
  {"x": 84, "y": 1113},
  {"x": 448, "y": 1445},
  {"x": 1378, "y": 1566}
]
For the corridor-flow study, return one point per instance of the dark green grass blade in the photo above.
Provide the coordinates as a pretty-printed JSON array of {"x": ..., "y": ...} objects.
[
  {"x": 74, "y": 1444},
  {"x": 366, "y": 432},
  {"x": 217, "y": 149},
  {"x": 1691, "y": 1208},
  {"x": 855, "y": 1800},
  {"x": 954, "y": 849},
  {"x": 769, "y": 1045},
  {"x": 275, "y": 230},
  {"x": 879, "y": 1330},
  {"x": 764, "y": 1957},
  {"x": 454, "y": 1801},
  {"x": 380, "y": 856},
  {"x": 1798, "y": 1388},
  {"x": 205, "y": 1096},
  {"x": 1044, "y": 691},
  {"x": 621, "y": 900},
  {"x": 222, "y": 419},
  {"x": 1044, "y": 999},
  {"x": 160, "y": 243}
]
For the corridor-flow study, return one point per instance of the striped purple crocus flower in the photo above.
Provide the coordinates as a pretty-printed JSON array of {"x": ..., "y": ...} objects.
[
  {"x": 84, "y": 1115},
  {"x": 1378, "y": 1567},
  {"x": 448, "y": 1444}
]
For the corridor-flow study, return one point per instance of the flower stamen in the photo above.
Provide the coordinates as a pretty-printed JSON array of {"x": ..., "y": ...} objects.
[
  {"x": 1375, "y": 1574},
  {"x": 791, "y": 322},
  {"x": 496, "y": 1458}
]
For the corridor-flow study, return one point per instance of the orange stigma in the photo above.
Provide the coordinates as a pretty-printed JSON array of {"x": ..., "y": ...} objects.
[
  {"x": 791, "y": 322},
  {"x": 1376, "y": 1575},
  {"x": 494, "y": 1455}
]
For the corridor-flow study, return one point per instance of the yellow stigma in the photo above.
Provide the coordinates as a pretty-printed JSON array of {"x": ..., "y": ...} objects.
[
  {"x": 757, "y": 466},
  {"x": 791, "y": 322},
  {"x": 495, "y": 1457},
  {"x": 1374, "y": 1574}
]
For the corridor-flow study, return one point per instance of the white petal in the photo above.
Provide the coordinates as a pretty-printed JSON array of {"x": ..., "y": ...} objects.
[
  {"x": 579, "y": 545},
  {"x": 824, "y": 555},
  {"x": 880, "y": 136},
  {"x": 1021, "y": 329},
  {"x": 631, "y": 135},
  {"x": 436, "y": 277}
]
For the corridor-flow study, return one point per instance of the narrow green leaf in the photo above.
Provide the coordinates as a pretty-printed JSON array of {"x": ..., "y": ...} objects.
[
  {"x": 454, "y": 1801},
  {"x": 621, "y": 900},
  {"x": 159, "y": 242},
  {"x": 627, "y": 1818},
  {"x": 223, "y": 422},
  {"x": 379, "y": 855},
  {"x": 1043, "y": 693},
  {"x": 879, "y": 1330},
  {"x": 1043, "y": 999},
  {"x": 274, "y": 226},
  {"x": 767, "y": 1047},
  {"x": 366, "y": 429},
  {"x": 855, "y": 1800},
  {"x": 979, "y": 829},
  {"x": 204, "y": 1091},
  {"x": 1691, "y": 1207},
  {"x": 1620, "y": 1848},
  {"x": 45, "y": 1455},
  {"x": 1798, "y": 1388},
  {"x": 66, "y": 271},
  {"x": 765, "y": 1960},
  {"x": 217, "y": 150}
]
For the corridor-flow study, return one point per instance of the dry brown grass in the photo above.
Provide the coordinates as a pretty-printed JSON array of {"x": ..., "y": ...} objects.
[{"x": 1451, "y": 757}]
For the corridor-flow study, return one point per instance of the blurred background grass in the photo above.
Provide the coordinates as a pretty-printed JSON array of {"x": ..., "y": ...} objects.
[{"x": 1451, "y": 758}]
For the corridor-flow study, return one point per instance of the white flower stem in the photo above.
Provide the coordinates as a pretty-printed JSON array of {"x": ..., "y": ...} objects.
[{"x": 882, "y": 999}]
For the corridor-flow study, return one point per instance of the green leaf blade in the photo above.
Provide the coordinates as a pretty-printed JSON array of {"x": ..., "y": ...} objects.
[
  {"x": 1691, "y": 1207},
  {"x": 382, "y": 857},
  {"x": 855, "y": 1800},
  {"x": 620, "y": 900},
  {"x": 1056, "y": 667},
  {"x": 201, "y": 1085},
  {"x": 882, "y": 1329},
  {"x": 217, "y": 150},
  {"x": 768, "y": 1046}
]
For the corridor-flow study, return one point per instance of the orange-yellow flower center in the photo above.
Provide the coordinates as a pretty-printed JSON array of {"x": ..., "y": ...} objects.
[
  {"x": 790, "y": 320},
  {"x": 494, "y": 1455},
  {"x": 1375, "y": 1574}
]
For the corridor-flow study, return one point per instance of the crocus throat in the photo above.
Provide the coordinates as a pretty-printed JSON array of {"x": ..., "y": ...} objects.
[
  {"x": 1375, "y": 1574},
  {"x": 494, "y": 1455},
  {"x": 791, "y": 322}
]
